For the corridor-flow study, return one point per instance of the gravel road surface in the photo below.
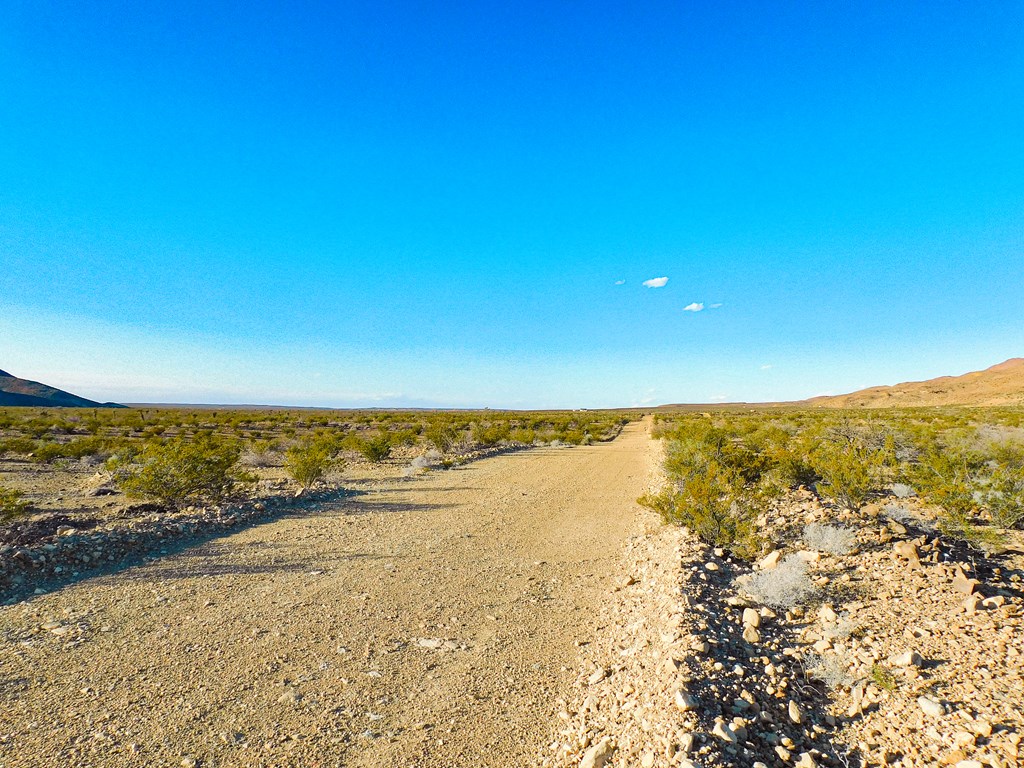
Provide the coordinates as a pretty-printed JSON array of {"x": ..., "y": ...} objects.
[{"x": 427, "y": 621}]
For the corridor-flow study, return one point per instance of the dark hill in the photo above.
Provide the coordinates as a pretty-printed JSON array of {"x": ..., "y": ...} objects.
[{"x": 15, "y": 391}]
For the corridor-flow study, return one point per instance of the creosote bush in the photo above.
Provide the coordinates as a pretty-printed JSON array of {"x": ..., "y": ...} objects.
[
  {"x": 376, "y": 449},
  {"x": 12, "y": 504},
  {"x": 180, "y": 472},
  {"x": 712, "y": 503},
  {"x": 309, "y": 463},
  {"x": 849, "y": 472}
]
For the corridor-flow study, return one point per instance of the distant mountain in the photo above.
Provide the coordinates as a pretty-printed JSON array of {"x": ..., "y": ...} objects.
[
  {"x": 15, "y": 391},
  {"x": 1002, "y": 384}
]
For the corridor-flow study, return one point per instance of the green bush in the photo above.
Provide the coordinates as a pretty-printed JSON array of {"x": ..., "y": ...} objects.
[
  {"x": 849, "y": 472},
  {"x": 442, "y": 436},
  {"x": 376, "y": 449},
  {"x": 950, "y": 480},
  {"x": 12, "y": 505},
  {"x": 1003, "y": 496},
  {"x": 180, "y": 472},
  {"x": 713, "y": 504},
  {"x": 76, "y": 449},
  {"x": 23, "y": 446},
  {"x": 309, "y": 463}
]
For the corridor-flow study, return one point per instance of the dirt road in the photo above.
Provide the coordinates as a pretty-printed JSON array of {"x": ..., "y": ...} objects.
[{"x": 428, "y": 621}]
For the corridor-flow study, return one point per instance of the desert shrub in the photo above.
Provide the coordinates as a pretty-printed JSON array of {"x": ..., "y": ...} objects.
[
  {"x": 1002, "y": 495},
  {"x": 828, "y": 669},
  {"x": 377, "y": 448},
  {"x": 793, "y": 468},
  {"x": 848, "y": 472},
  {"x": 946, "y": 478},
  {"x": 785, "y": 586},
  {"x": 431, "y": 458},
  {"x": 261, "y": 453},
  {"x": 12, "y": 504},
  {"x": 950, "y": 479},
  {"x": 22, "y": 446},
  {"x": 902, "y": 490},
  {"x": 442, "y": 436},
  {"x": 712, "y": 503},
  {"x": 524, "y": 436},
  {"x": 76, "y": 449},
  {"x": 309, "y": 463},
  {"x": 836, "y": 539},
  {"x": 179, "y": 472}
]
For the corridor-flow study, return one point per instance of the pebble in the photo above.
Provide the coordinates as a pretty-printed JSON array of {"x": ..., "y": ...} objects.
[
  {"x": 930, "y": 707},
  {"x": 794, "y": 712},
  {"x": 598, "y": 755},
  {"x": 770, "y": 561},
  {"x": 909, "y": 658},
  {"x": 724, "y": 731},
  {"x": 751, "y": 618},
  {"x": 684, "y": 701}
]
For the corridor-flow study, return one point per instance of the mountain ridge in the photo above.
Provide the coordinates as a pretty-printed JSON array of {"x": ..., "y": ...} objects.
[{"x": 19, "y": 392}]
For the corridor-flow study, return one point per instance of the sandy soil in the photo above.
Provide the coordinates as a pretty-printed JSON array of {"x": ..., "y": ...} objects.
[{"x": 429, "y": 621}]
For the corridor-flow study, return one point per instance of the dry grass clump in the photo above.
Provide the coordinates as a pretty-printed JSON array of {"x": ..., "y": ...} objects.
[
  {"x": 835, "y": 539},
  {"x": 785, "y": 586},
  {"x": 829, "y": 669}
]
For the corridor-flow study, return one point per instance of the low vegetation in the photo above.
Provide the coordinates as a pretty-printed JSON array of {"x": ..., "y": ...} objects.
[
  {"x": 180, "y": 472},
  {"x": 309, "y": 463},
  {"x": 179, "y": 456},
  {"x": 12, "y": 504},
  {"x": 727, "y": 468}
]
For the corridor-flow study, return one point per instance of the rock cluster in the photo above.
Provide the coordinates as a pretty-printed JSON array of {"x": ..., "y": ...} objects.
[{"x": 909, "y": 653}]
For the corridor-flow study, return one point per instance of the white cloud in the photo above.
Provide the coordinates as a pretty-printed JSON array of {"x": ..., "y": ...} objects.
[
  {"x": 694, "y": 307},
  {"x": 620, "y": 282},
  {"x": 715, "y": 306},
  {"x": 767, "y": 367},
  {"x": 656, "y": 282},
  {"x": 719, "y": 398}
]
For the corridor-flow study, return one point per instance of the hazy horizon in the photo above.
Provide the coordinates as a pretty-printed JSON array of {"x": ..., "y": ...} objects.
[{"x": 510, "y": 207}]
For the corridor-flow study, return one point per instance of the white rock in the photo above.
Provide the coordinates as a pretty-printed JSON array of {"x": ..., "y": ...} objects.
[
  {"x": 684, "y": 702},
  {"x": 910, "y": 658},
  {"x": 750, "y": 634},
  {"x": 770, "y": 560},
  {"x": 794, "y": 712},
  {"x": 598, "y": 755},
  {"x": 598, "y": 675},
  {"x": 806, "y": 761},
  {"x": 686, "y": 743},
  {"x": 930, "y": 707},
  {"x": 725, "y": 732},
  {"x": 751, "y": 618}
]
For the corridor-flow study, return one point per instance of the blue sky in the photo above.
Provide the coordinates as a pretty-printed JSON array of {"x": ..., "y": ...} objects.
[{"x": 438, "y": 203}]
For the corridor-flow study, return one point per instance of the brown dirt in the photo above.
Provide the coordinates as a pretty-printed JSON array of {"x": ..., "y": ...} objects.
[{"x": 427, "y": 621}]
